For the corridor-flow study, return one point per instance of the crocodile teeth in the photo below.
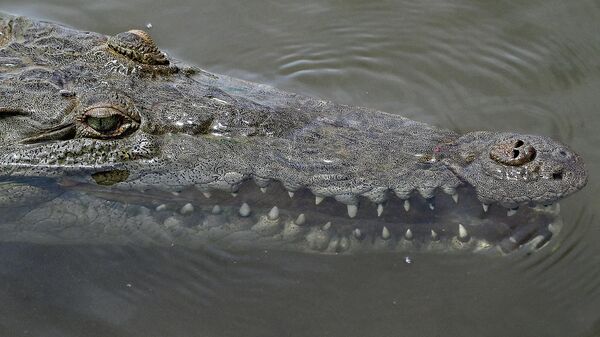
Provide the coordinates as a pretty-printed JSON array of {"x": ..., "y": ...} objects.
[
  {"x": 318, "y": 239},
  {"x": 161, "y": 207},
  {"x": 344, "y": 244},
  {"x": 357, "y": 233},
  {"x": 327, "y": 226},
  {"x": 485, "y": 207},
  {"x": 434, "y": 235},
  {"x": 379, "y": 209},
  {"x": 318, "y": 199},
  {"x": 300, "y": 220},
  {"x": 207, "y": 195},
  {"x": 406, "y": 205},
  {"x": 385, "y": 233},
  {"x": 263, "y": 189},
  {"x": 455, "y": 198},
  {"x": 408, "y": 235},
  {"x": 273, "y": 213},
  {"x": 216, "y": 209},
  {"x": 291, "y": 194},
  {"x": 234, "y": 194},
  {"x": 187, "y": 209},
  {"x": 431, "y": 207},
  {"x": 463, "y": 235},
  {"x": 512, "y": 211},
  {"x": 244, "y": 210},
  {"x": 352, "y": 210}
]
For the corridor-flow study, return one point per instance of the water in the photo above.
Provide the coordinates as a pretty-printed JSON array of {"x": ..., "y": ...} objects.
[{"x": 530, "y": 67}]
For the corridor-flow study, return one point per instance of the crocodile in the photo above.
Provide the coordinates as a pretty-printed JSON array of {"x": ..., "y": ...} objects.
[{"x": 108, "y": 139}]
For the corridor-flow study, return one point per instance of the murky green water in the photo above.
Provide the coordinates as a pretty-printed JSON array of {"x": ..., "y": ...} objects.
[{"x": 526, "y": 66}]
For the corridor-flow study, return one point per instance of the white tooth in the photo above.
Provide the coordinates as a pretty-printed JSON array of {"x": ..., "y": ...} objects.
[
  {"x": 234, "y": 194},
  {"x": 318, "y": 239},
  {"x": 187, "y": 209},
  {"x": 485, "y": 207},
  {"x": 216, "y": 209},
  {"x": 385, "y": 233},
  {"x": 300, "y": 220},
  {"x": 207, "y": 195},
  {"x": 291, "y": 194},
  {"x": 434, "y": 235},
  {"x": 263, "y": 189},
  {"x": 318, "y": 199},
  {"x": 161, "y": 207},
  {"x": 344, "y": 244},
  {"x": 326, "y": 226},
  {"x": 455, "y": 198},
  {"x": 462, "y": 232},
  {"x": 352, "y": 210},
  {"x": 175, "y": 193},
  {"x": 406, "y": 205},
  {"x": 245, "y": 210},
  {"x": 431, "y": 207},
  {"x": 379, "y": 209},
  {"x": 511, "y": 212},
  {"x": 357, "y": 233},
  {"x": 408, "y": 235},
  {"x": 273, "y": 213}
]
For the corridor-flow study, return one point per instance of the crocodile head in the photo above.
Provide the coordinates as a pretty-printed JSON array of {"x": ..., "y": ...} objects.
[
  {"x": 117, "y": 119},
  {"x": 515, "y": 169}
]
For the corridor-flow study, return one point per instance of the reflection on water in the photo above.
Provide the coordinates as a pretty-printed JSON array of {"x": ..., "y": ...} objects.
[{"x": 530, "y": 67}]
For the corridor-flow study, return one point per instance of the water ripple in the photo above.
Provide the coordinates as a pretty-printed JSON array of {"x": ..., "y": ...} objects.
[{"x": 421, "y": 52}]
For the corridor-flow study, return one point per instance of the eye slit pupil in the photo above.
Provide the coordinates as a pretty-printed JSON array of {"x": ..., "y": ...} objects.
[
  {"x": 104, "y": 124},
  {"x": 515, "y": 153},
  {"x": 562, "y": 153},
  {"x": 519, "y": 143}
]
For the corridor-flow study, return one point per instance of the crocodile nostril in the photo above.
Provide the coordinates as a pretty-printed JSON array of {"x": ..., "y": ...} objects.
[
  {"x": 513, "y": 152},
  {"x": 557, "y": 175}
]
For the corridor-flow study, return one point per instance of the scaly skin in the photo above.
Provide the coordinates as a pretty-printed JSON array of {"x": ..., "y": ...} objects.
[{"x": 82, "y": 111}]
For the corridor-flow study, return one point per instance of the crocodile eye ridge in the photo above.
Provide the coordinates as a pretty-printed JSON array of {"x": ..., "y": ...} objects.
[{"x": 138, "y": 46}]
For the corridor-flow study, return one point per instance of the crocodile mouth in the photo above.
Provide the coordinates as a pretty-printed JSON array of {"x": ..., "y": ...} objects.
[{"x": 274, "y": 217}]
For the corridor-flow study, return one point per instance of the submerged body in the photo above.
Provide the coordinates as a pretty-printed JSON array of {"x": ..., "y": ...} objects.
[{"x": 104, "y": 138}]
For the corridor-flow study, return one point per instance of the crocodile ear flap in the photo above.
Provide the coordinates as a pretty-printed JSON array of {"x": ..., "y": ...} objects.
[{"x": 138, "y": 46}]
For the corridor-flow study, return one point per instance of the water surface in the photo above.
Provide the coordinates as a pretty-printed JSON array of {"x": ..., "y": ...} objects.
[{"x": 531, "y": 67}]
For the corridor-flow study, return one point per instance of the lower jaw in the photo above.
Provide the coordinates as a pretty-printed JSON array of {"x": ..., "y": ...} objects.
[{"x": 272, "y": 219}]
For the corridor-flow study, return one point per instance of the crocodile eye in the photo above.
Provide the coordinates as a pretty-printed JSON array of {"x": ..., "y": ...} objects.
[
  {"x": 104, "y": 124},
  {"x": 108, "y": 121},
  {"x": 513, "y": 152}
]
